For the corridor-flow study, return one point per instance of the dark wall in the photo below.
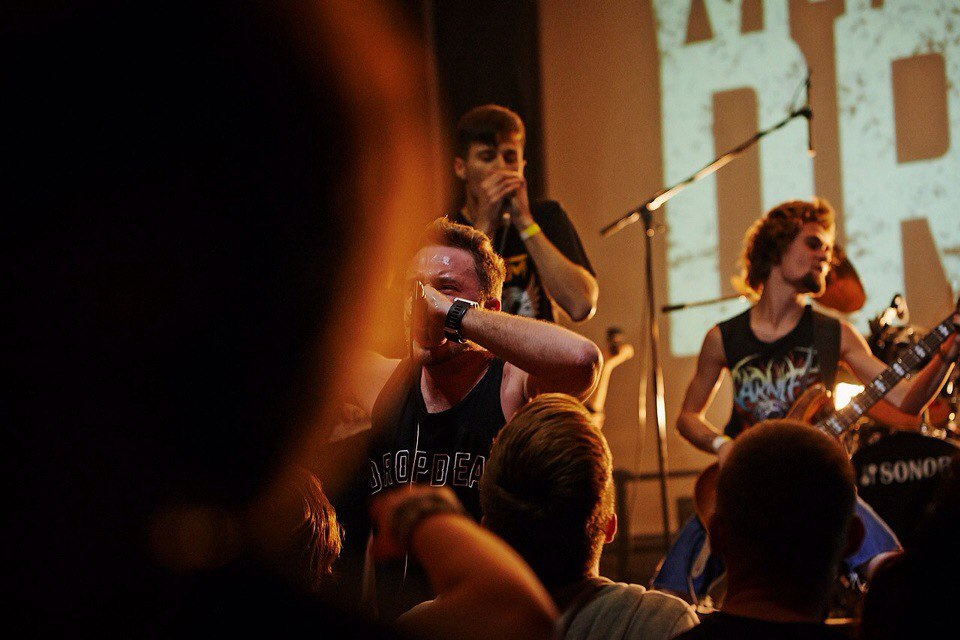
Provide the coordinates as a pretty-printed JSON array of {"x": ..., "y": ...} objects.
[{"x": 488, "y": 51}]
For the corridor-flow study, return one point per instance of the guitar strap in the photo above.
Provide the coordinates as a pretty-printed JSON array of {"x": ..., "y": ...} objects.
[{"x": 826, "y": 340}]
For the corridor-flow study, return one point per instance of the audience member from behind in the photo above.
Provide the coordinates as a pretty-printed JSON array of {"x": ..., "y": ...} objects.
[
  {"x": 310, "y": 536},
  {"x": 548, "y": 491},
  {"x": 917, "y": 589},
  {"x": 474, "y": 574},
  {"x": 784, "y": 520}
]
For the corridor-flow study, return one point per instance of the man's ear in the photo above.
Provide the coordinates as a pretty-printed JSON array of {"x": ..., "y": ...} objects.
[
  {"x": 610, "y": 529},
  {"x": 718, "y": 534},
  {"x": 460, "y": 168},
  {"x": 855, "y": 536},
  {"x": 492, "y": 304}
]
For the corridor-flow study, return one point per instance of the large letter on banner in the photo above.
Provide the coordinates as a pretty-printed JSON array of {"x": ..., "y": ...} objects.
[
  {"x": 879, "y": 192},
  {"x": 771, "y": 64}
]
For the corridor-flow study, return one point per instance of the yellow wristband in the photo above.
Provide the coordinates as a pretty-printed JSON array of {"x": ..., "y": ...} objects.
[{"x": 530, "y": 231}]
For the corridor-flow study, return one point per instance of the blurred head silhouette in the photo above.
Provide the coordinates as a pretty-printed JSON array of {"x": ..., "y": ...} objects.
[{"x": 190, "y": 185}]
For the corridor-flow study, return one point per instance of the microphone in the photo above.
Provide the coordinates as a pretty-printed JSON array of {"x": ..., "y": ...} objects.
[
  {"x": 506, "y": 210},
  {"x": 808, "y": 114}
]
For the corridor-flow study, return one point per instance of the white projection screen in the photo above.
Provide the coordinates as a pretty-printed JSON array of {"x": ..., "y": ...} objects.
[{"x": 875, "y": 49}]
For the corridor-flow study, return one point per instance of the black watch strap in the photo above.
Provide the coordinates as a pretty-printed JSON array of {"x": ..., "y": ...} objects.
[{"x": 451, "y": 326}]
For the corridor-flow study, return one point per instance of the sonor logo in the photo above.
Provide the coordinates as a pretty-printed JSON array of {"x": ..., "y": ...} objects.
[{"x": 903, "y": 471}]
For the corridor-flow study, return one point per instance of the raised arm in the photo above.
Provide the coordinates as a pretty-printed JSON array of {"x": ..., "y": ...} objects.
[
  {"x": 572, "y": 286},
  {"x": 692, "y": 422},
  {"x": 912, "y": 395},
  {"x": 484, "y": 589},
  {"x": 550, "y": 357}
]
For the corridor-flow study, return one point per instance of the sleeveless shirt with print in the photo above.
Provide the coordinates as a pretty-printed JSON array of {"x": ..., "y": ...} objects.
[
  {"x": 448, "y": 448},
  {"x": 768, "y": 377}
]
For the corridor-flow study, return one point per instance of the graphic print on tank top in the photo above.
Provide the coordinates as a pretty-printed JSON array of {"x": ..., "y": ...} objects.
[
  {"x": 769, "y": 377},
  {"x": 766, "y": 388},
  {"x": 448, "y": 448},
  {"x": 522, "y": 290}
]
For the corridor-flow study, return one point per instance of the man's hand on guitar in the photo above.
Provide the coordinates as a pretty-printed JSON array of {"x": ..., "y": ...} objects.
[{"x": 950, "y": 349}]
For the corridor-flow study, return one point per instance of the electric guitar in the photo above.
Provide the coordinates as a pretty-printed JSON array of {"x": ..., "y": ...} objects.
[{"x": 816, "y": 401}]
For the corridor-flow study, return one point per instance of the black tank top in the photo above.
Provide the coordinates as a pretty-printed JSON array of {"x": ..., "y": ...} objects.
[
  {"x": 449, "y": 448},
  {"x": 768, "y": 377}
]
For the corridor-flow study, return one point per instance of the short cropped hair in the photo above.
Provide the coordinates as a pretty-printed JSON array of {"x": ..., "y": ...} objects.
[
  {"x": 548, "y": 488},
  {"x": 488, "y": 265},
  {"x": 786, "y": 499},
  {"x": 768, "y": 237},
  {"x": 489, "y": 124}
]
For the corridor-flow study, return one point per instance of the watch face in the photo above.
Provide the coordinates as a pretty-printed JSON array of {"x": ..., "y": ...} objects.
[{"x": 455, "y": 315}]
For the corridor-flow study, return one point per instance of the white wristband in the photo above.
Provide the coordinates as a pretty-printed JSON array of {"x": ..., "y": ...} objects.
[{"x": 718, "y": 442}]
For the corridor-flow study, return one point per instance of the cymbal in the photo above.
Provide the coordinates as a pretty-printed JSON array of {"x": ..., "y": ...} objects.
[{"x": 844, "y": 291}]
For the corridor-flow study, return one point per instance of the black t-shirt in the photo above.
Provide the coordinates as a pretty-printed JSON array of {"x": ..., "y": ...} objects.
[
  {"x": 523, "y": 293},
  {"x": 768, "y": 377},
  {"x": 721, "y": 626},
  {"x": 449, "y": 448}
]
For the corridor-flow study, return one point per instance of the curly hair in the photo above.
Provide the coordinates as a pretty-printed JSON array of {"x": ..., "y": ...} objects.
[{"x": 768, "y": 237}]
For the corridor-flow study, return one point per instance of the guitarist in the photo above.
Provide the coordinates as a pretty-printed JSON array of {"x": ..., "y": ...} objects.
[{"x": 774, "y": 351}]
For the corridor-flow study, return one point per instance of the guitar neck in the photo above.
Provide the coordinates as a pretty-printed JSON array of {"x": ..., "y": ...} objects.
[{"x": 909, "y": 361}]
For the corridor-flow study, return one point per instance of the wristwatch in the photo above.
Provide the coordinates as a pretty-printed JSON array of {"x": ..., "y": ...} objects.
[{"x": 451, "y": 326}]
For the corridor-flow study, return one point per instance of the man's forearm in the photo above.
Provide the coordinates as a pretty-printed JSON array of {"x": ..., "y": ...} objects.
[
  {"x": 544, "y": 350},
  {"x": 572, "y": 286},
  {"x": 698, "y": 432},
  {"x": 483, "y": 588}
]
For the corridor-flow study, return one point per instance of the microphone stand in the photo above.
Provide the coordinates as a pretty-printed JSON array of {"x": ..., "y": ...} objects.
[
  {"x": 680, "y": 306},
  {"x": 644, "y": 212}
]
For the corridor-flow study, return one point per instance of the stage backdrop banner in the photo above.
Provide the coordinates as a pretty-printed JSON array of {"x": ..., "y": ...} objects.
[{"x": 639, "y": 95}]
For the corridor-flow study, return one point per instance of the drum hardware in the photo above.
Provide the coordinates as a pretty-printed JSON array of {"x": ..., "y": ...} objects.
[
  {"x": 892, "y": 334},
  {"x": 844, "y": 291},
  {"x": 898, "y": 475}
]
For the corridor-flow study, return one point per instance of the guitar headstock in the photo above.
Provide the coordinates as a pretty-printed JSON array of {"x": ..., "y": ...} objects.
[
  {"x": 618, "y": 349},
  {"x": 615, "y": 340}
]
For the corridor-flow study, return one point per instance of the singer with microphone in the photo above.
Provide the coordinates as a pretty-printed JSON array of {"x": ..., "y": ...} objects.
[{"x": 545, "y": 260}]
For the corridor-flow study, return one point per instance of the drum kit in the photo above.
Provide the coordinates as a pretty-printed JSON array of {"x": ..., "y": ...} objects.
[{"x": 898, "y": 457}]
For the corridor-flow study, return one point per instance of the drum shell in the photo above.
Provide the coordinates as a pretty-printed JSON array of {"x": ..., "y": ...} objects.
[{"x": 898, "y": 476}]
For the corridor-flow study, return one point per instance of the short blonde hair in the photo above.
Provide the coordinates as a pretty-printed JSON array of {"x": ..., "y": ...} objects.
[
  {"x": 490, "y": 268},
  {"x": 548, "y": 487}
]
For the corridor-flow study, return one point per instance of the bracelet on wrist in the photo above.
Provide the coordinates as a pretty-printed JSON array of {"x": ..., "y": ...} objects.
[
  {"x": 417, "y": 508},
  {"x": 529, "y": 231},
  {"x": 718, "y": 442}
]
